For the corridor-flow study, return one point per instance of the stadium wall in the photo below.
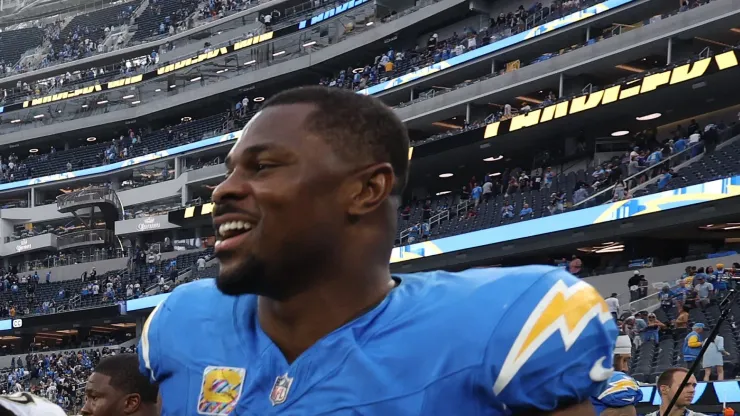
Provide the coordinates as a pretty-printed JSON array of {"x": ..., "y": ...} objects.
[{"x": 617, "y": 49}]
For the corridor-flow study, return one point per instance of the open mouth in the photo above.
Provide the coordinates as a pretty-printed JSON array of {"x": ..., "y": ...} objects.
[{"x": 231, "y": 234}]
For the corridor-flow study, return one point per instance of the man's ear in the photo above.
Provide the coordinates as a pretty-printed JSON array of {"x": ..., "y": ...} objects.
[
  {"x": 370, "y": 188},
  {"x": 131, "y": 404}
]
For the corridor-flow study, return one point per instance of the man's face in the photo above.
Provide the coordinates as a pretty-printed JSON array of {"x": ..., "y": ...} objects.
[
  {"x": 101, "y": 399},
  {"x": 687, "y": 395},
  {"x": 622, "y": 363},
  {"x": 278, "y": 212}
]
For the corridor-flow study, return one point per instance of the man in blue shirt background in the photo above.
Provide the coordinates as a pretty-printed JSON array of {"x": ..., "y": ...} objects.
[{"x": 305, "y": 318}]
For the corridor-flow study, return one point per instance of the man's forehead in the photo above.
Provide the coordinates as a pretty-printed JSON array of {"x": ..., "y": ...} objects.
[
  {"x": 98, "y": 381},
  {"x": 279, "y": 127}
]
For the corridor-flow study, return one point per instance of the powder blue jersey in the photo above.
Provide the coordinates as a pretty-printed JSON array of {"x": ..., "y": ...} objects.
[{"x": 479, "y": 342}]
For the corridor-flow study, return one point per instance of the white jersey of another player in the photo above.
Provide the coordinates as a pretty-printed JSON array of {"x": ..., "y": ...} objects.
[{"x": 26, "y": 404}]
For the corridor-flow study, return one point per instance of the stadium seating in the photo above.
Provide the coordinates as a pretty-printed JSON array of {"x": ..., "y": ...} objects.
[
  {"x": 149, "y": 21},
  {"x": 73, "y": 289},
  {"x": 14, "y": 43},
  {"x": 74, "y": 39},
  {"x": 91, "y": 155},
  {"x": 650, "y": 359}
]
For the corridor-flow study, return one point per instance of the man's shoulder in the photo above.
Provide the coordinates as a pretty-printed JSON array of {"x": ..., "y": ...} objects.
[
  {"x": 486, "y": 294},
  {"x": 198, "y": 299}
]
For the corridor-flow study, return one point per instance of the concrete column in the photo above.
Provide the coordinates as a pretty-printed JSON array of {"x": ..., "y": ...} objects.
[
  {"x": 669, "y": 53},
  {"x": 178, "y": 169},
  {"x": 560, "y": 86},
  {"x": 493, "y": 66},
  {"x": 588, "y": 33},
  {"x": 411, "y": 94},
  {"x": 467, "y": 113},
  {"x": 32, "y": 198},
  {"x": 185, "y": 195}
]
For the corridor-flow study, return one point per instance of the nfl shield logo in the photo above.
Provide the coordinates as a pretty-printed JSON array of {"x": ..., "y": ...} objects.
[{"x": 280, "y": 389}]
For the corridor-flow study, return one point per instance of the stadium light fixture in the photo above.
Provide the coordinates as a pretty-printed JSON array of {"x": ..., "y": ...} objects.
[
  {"x": 649, "y": 117},
  {"x": 278, "y": 53},
  {"x": 443, "y": 193},
  {"x": 84, "y": 105},
  {"x": 195, "y": 79},
  {"x": 369, "y": 23},
  {"x": 91, "y": 139},
  {"x": 259, "y": 99},
  {"x": 15, "y": 121},
  {"x": 493, "y": 158},
  {"x": 158, "y": 90},
  {"x": 306, "y": 45},
  {"x": 221, "y": 71},
  {"x": 173, "y": 86},
  {"x": 102, "y": 102},
  {"x": 126, "y": 97},
  {"x": 33, "y": 150},
  {"x": 59, "y": 111},
  {"x": 446, "y": 175},
  {"x": 620, "y": 133},
  {"x": 37, "y": 116},
  {"x": 135, "y": 102},
  {"x": 250, "y": 62}
]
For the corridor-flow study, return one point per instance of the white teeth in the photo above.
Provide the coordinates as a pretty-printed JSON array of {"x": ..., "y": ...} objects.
[{"x": 234, "y": 225}]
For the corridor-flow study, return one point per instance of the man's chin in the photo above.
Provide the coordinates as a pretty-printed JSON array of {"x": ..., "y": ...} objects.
[{"x": 239, "y": 278}]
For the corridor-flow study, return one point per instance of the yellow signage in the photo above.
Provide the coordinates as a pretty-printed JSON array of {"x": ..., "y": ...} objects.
[
  {"x": 126, "y": 81},
  {"x": 253, "y": 40},
  {"x": 612, "y": 94},
  {"x": 192, "y": 61},
  {"x": 63, "y": 95}
]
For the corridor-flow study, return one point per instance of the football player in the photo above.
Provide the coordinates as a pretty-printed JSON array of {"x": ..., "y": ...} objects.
[
  {"x": 116, "y": 388},
  {"x": 305, "y": 317}
]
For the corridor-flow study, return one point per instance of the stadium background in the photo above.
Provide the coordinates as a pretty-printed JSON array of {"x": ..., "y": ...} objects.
[{"x": 115, "y": 118}]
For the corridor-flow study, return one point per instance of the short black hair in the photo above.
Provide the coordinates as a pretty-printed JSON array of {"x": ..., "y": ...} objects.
[
  {"x": 666, "y": 377},
  {"x": 354, "y": 125},
  {"x": 123, "y": 370}
]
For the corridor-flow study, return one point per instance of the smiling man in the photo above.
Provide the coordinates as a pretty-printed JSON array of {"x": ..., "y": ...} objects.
[{"x": 306, "y": 319}]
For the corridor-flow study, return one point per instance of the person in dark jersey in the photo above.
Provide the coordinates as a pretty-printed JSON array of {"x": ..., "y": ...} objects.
[
  {"x": 116, "y": 388},
  {"x": 305, "y": 317}
]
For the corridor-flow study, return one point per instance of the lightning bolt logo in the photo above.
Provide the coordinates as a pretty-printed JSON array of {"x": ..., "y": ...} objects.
[
  {"x": 563, "y": 309},
  {"x": 625, "y": 384}
]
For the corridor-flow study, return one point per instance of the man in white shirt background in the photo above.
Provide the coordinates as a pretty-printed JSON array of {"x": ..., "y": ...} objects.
[{"x": 613, "y": 303}]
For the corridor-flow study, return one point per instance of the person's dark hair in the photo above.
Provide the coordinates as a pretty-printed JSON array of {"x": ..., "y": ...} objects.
[
  {"x": 356, "y": 126},
  {"x": 123, "y": 370},
  {"x": 666, "y": 377}
]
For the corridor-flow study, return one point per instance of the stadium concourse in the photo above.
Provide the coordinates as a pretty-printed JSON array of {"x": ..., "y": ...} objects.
[{"x": 115, "y": 120}]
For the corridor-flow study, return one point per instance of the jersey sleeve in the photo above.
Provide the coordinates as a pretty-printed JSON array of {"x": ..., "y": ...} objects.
[
  {"x": 150, "y": 348},
  {"x": 553, "y": 345},
  {"x": 694, "y": 341}
]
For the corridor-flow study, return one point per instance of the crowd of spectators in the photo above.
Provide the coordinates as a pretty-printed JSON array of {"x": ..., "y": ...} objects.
[
  {"x": 176, "y": 22},
  {"x": 59, "y": 377},
  {"x": 394, "y": 63}
]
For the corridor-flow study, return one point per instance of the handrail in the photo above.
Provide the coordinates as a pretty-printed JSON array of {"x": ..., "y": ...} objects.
[{"x": 642, "y": 172}]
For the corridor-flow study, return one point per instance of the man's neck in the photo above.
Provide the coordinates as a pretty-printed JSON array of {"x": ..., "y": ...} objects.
[
  {"x": 294, "y": 325},
  {"x": 676, "y": 411}
]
